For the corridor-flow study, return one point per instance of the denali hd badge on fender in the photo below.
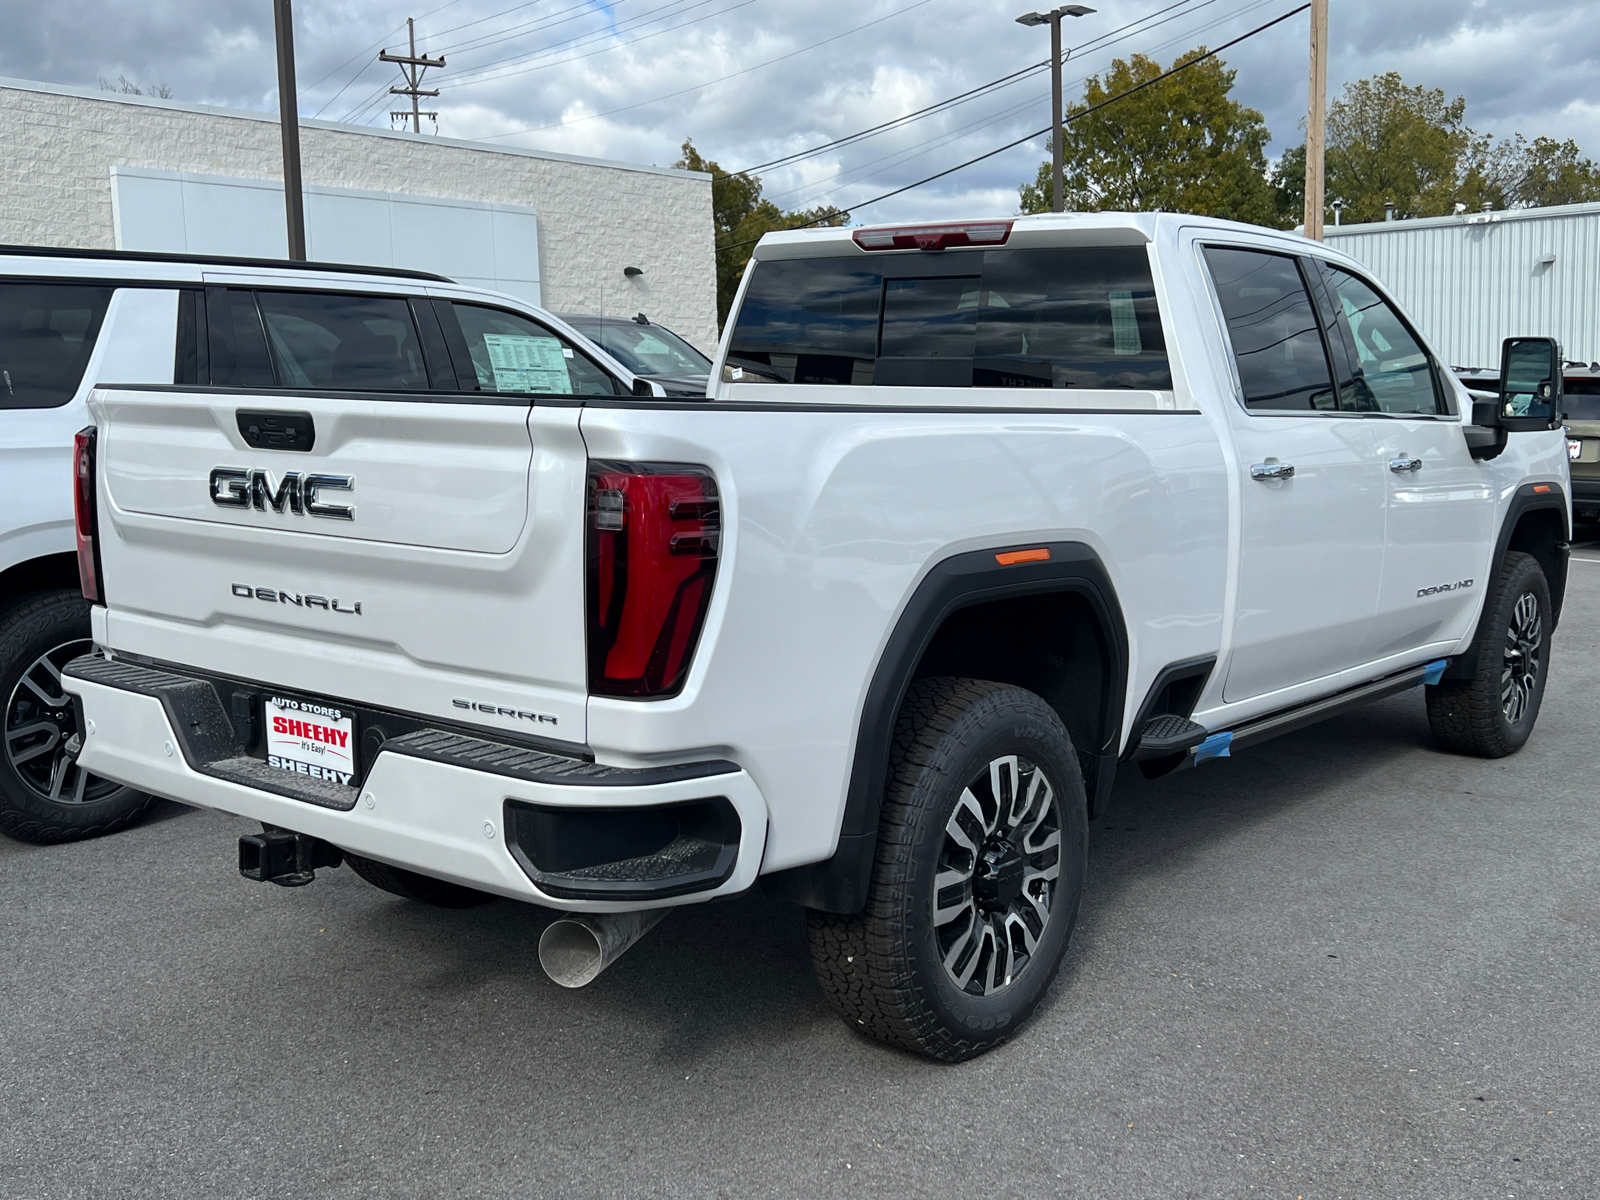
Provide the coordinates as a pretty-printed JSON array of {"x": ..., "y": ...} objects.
[{"x": 245, "y": 487}]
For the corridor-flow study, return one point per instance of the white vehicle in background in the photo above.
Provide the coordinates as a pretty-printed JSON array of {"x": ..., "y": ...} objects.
[
  {"x": 53, "y": 308},
  {"x": 975, "y": 513}
]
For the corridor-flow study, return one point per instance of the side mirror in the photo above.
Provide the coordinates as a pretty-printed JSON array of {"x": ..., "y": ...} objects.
[{"x": 1531, "y": 393}]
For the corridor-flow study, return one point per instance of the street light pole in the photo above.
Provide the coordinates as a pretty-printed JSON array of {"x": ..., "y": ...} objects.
[
  {"x": 1058, "y": 140},
  {"x": 289, "y": 114}
]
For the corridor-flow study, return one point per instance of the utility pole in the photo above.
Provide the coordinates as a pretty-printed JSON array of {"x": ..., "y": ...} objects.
[
  {"x": 1315, "y": 118},
  {"x": 412, "y": 68},
  {"x": 1058, "y": 141},
  {"x": 289, "y": 114}
]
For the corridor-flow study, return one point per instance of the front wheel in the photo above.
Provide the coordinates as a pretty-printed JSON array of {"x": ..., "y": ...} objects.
[
  {"x": 979, "y": 871},
  {"x": 44, "y": 795},
  {"x": 1493, "y": 714}
]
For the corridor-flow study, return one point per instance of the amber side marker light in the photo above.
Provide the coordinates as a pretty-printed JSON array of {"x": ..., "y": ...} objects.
[
  {"x": 1541, "y": 487},
  {"x": 1011, "y": 557}
]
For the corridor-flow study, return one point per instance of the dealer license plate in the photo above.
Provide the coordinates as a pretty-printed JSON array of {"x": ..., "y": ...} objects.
[
  {"x": 310, "y": 739},
  {"x": 1574, "y": 448}
]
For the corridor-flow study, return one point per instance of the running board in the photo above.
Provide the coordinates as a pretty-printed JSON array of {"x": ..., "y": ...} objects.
[{"x": 1224, "y": 742}]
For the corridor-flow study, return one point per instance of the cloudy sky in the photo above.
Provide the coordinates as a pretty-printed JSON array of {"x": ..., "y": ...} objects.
[{"x": 754, "y": 80}]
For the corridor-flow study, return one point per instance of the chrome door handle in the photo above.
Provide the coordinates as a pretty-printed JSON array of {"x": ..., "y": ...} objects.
[
  {"x": 1274, "y": 470},
  {"x": 1400, "y": 465}
]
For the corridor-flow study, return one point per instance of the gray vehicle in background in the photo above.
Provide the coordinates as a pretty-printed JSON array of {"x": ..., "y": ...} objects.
[{"x": 652, "y": 352}]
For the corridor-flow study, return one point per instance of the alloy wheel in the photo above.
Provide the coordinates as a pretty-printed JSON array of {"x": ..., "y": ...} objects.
[
  {"x": 41, "y": 732},
  {"x": 995, "y": 883},
  {"x": 1519, "y": 677}
]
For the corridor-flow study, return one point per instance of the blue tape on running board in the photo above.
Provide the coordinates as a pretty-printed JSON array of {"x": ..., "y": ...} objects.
[
  {"x": 1215, "y": 746},
  {"x": 1434, "y": 671}
]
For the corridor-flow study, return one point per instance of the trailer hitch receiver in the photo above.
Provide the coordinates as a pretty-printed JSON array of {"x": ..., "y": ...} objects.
[{"x": 285, "y": 858}]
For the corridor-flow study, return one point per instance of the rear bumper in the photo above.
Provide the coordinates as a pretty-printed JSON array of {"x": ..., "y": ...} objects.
[{"x": 437, "y": 804}]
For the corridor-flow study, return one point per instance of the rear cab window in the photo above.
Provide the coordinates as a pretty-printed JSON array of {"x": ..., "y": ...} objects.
[
  {"x": 1061, "y": 318},
  {"x": 47, "y": 333}
]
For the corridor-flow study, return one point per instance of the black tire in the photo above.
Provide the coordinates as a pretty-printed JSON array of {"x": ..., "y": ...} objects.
[
  {"x": 1492, "y": 714},
  {"x": 44, "y": 796},
  {"x": 424, "y": 889},
  {"x": 884, "y": 968}
]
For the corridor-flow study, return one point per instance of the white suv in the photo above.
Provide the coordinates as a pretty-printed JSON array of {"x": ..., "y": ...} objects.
[
  {"x": 974, "y": 513},
  {"x": 54, "y": 306}
]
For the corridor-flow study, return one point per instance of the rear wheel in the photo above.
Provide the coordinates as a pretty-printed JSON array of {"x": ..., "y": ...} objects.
[
  {"x": 979, "y": 871},
  {"x": 44, "y": 795},
  {"x": 422, "y": 888},
  {"x": 1493, "y": 714}
]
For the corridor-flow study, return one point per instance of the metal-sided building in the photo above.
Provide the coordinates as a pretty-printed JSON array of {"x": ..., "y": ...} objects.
[
  {"x": 1475, "y": 278},
  {"x": 101, "y": 170}
]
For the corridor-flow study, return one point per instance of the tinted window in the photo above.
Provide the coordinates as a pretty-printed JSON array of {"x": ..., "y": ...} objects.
[
  {"x": 341, "y": 341},
  {"x": 1066, "y": 318},
  {"x": 47, "y": 333},
  {"x": 513, "y": 354},
  {"x": 644, "y": 349},
  {"x": 1277, "y": 345},
  {"x": 1393, "y": 371},
  {"x": 812, "y": 320},
  {"x": 236, "y": 342},
  {"x": 1583, "y": 399},
  {"x": 1070, "y": 318}
]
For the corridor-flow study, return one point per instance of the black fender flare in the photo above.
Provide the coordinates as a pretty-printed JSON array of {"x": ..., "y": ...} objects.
[
  {"x": 839, "y": 884},
  {"x": 1530, "y": 497}
]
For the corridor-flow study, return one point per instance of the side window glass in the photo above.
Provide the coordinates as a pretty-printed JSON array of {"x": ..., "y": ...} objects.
[
  {"x": 341, "y": 341},
  {"x": 236, "y": 344},
  {"x": 513, "y": 354},
  {"x": 47, "y": 332},
  {"x": 1391, "y": 367},
  {"x": 1283, "y": 364}
]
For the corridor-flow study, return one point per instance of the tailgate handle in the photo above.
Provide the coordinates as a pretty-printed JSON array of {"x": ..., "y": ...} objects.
[{"x": 277, "y": 430}]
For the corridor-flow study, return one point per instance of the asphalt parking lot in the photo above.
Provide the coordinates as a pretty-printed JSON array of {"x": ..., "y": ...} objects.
[{"x": 1340, "y": 965}]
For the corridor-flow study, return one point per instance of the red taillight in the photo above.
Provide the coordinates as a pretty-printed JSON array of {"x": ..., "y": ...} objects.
[
  {"x": 83, "y": 509},
  {"x": 653, "y": 531},
  {"x": 933, "y": 237}
]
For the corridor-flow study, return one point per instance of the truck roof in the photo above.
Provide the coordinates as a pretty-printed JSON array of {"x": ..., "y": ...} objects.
[{"x": 1039, "y": 229}]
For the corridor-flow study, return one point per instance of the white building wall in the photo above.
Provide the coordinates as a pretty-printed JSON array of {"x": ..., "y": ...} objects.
[
  {"x": 594, "y": 217},
  {"x": 1473, "y": 280}
]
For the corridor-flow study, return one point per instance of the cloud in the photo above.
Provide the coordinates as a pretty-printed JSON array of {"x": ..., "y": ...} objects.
[{"x": 587, "y": 77}]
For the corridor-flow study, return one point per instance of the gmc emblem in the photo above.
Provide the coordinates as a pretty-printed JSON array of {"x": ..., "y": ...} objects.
[{"x": 242, "y": 487}]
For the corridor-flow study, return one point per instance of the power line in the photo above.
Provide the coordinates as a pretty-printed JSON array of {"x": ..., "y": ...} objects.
[
  {"x": 413, "y": 78},
  {"x": 1093, "y": 44},
  {"x": 1040, "y": 132},
  {"x": 935, "y": 142},
  {"x": 721, "y": 79}
]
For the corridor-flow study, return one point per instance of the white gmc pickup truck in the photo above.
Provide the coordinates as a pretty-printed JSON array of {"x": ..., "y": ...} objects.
[{"x": 973, "y": 513}]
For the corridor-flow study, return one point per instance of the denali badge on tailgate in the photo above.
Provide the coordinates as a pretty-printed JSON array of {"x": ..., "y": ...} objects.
[{"x": 244, "y": 487}]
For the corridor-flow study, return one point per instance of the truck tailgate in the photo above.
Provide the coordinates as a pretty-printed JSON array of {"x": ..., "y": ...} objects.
[{"x": 422, "y": 555}]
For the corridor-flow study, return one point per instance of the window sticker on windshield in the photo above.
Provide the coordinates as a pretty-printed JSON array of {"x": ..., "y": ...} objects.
[
  {"x": 1124, "y": 325},
  {"x": 525, "y": 363},
  {"x": 651, "y": 347}
]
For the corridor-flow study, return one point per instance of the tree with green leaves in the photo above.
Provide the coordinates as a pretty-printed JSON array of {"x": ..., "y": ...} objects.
[
  {"x": 1517, "y": 173},
  {"x": 1388, "y": 142},
  {"x": 740, "y": 216},
  {"x": 1180, "y": 145}
]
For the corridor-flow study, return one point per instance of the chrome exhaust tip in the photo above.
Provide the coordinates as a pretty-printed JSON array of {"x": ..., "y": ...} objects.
[{"x": 574, "y": 950}]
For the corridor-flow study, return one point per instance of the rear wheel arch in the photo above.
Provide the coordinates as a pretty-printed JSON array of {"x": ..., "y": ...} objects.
[
  {"x": 48, "y": 572},
  {"x": 972, "y": 617},
  {"x": 1536, "y": 523}
]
